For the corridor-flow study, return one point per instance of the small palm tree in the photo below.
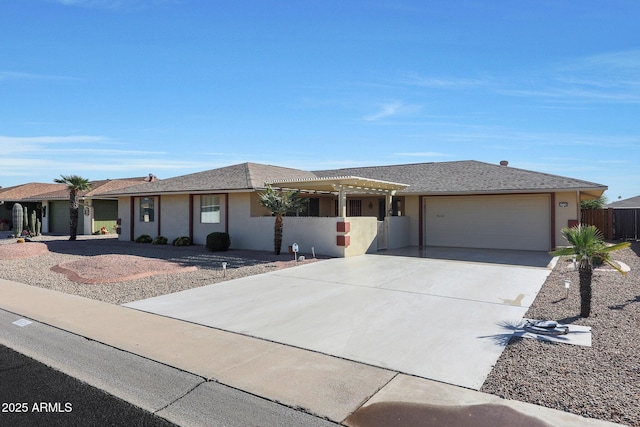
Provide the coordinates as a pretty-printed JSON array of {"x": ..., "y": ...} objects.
[
  {"x": 279, "y": 203},
  {"x": 75, "y": 184},
  {"x": 587, "y": 244}
]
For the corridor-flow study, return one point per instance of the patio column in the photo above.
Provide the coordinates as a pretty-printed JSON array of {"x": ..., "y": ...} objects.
[
  {"x": 387, "y": 214},
  {"x": 342, "y": 199},
  {"x": 387, "y": 203}
]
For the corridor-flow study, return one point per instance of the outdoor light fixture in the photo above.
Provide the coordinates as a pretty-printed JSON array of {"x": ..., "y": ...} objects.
[{"x": 567, "y": 284}]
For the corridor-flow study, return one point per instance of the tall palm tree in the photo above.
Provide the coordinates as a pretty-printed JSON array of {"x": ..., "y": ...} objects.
[
  {"x": 587, "y": 244},
  {"x": 279, "y": 203},
  {"x": 75, "y": 184}
]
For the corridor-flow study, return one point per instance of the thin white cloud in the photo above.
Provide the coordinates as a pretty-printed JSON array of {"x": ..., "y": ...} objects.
[
  {"x": 73, "y": 139},
  {"x": 414, "y": 79},
  {"x": 386, "y": 110},
  {"x": 606, "y": 78},
  {"x": 422, "y": 154},
  {"x": 115, "y": 4},
  {"x": 6, "y": 75},
  {"x": 42, "y": 158},
  {"x": 392, "y": 109}
]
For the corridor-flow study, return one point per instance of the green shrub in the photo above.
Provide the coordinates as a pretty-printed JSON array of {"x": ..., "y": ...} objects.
[
  {"x": 160, "y": 240},
  {"x": 144, "y": 238},
  {"x": 182, "y": 241},
  {"x": 218, "y": 241}
]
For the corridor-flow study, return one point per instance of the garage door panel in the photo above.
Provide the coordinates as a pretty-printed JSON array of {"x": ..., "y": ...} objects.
[{"x": 496, "y": 222}]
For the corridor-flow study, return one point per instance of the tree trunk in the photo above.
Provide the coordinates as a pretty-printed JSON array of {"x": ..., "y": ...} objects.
[
  {"x": 277, "y": 235},
  {"x": 73, "y": 215},
  {"x": 586, "y": 276},
  {"x": 73, "y": 223}
]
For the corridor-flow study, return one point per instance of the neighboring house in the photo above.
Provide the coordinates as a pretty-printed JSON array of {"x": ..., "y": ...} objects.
[
  {"x": 360, "y": 210},
  {"x": 22, "y": 194},
  {"x": 632, "y": 202},
  {"x": 51, "y": 202}
]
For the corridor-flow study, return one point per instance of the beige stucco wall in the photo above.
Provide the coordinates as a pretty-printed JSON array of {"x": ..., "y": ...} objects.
[
  {"x": 564, "y": 214},
  {"x": 174, "y": 218},
  {"x": 200, "y": 230},
  {"x": 86, "y": 210},
  {"x": 140, "y": 227},
  {"x": 364, "y": 236},
  {"x": 251, "y": 226},
  {"x": 174, "y": 214},
  {"x": 124, "y": 207},
  {"x": 412, "y": 211}
]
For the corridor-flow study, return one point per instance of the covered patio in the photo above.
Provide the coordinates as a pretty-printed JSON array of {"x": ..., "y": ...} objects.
[{"x": 360, "y": 232}]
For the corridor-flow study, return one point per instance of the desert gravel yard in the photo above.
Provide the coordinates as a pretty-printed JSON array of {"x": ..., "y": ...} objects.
[
  {"x": 108, "y": 270},
  {"x": 601, "y": 381}
]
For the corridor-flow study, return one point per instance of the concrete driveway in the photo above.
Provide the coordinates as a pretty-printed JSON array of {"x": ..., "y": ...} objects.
[{"x": 442, "y": 319}]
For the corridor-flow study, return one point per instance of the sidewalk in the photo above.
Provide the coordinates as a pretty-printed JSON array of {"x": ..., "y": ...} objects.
[{"x": 327, "y": 387}]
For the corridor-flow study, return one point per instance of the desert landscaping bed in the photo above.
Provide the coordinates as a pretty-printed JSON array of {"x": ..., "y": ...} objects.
[
  {"x": 116, "y": 272},
  {"x": 602, "y": 381}
]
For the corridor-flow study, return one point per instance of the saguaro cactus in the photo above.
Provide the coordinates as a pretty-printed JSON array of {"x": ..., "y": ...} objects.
[
  {"x": 18, "y": 219},
  {"x": 26, "y": 219},
  {"x": 32, "y": 222}
]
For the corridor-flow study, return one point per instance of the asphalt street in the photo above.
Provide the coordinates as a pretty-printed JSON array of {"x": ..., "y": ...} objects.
[{"x": 34, "y": 394}]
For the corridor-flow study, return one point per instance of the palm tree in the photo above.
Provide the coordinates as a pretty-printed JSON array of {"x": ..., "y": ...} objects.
[
  {"x": 279, "y": 203},
  {"x": 75, "y": 184},
  {"x": 588, "y": 245}
]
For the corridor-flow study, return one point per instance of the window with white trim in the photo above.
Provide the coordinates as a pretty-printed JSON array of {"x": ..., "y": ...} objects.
[
  {"x": 147, "y": 209},
  {"x": 210, "y": 209}
]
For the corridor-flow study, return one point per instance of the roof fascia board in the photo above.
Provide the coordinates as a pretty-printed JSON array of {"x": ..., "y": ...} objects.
[
  {"x": 176, "y": 193},
  {"x": 498, "y": 192}
]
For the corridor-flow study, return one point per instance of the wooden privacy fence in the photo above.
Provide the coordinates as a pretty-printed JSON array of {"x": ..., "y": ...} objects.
[
  {"x": 619, "y": 224},
  {"x": 601, "y": 218},
  {"x": 625, "y": 223}
]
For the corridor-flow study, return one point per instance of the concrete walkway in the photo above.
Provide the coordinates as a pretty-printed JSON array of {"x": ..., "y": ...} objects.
[
  {"x": 205, "y": 359},
  {"x": 417, "y": 316}
]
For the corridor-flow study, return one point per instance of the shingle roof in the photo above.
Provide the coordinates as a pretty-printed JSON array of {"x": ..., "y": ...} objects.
[
  {"x": 632, "y": 202},
  {"x": 26, "y": 191},
  {"x": 244, "y": 176},
  {"x": 459, "y": 177},
  {"x": 468, "y": 176},
  {"x": 97, "y": 187},
  {"x": 43, "y": 191}
]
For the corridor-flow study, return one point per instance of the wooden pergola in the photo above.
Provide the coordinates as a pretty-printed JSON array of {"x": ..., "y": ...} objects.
[{"x": 341, "y": 186}]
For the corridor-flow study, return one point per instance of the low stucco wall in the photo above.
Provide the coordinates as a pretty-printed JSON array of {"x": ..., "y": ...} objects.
[
  {"x": 318, "y": 233},
  {"x": 363, "y": 234}
]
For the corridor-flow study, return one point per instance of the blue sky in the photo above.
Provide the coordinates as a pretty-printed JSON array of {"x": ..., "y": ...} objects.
[{"x": 115, "y": 88}]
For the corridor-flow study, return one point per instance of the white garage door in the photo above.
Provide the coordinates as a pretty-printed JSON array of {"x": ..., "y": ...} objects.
[{"x": 495, "y": 222}]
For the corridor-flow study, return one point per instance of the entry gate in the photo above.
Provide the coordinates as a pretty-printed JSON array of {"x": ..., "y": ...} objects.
[{"x": 382, "y": 236}]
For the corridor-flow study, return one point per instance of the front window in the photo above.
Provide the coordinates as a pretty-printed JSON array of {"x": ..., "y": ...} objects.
[
  {"x": 210, "y": 209},
  {"x": 147, "y": 209}
]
